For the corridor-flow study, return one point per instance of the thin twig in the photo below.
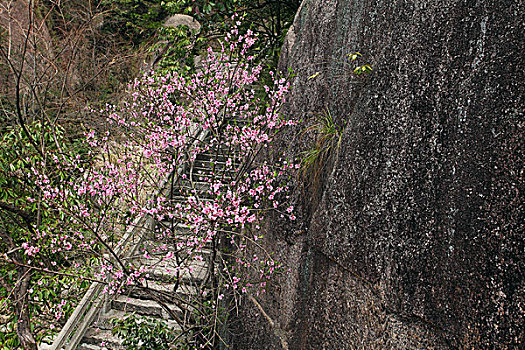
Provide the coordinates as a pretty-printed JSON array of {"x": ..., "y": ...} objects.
[{"x": 51, "y": 272}]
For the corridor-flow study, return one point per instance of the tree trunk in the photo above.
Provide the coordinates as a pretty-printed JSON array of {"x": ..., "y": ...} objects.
[{"x": 23, "y": 327}]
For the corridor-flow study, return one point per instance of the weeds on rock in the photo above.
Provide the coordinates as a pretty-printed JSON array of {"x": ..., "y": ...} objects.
[
  {"x": 327, "y": 133},
  {"x": 328, "y": 138}
]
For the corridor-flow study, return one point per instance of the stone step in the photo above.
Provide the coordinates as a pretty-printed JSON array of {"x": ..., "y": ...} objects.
[
  {"x": 86, "y": 346},
  {"x": 200, "y": 189},
  {"x": 163, "y": 290},
  {"x": 177, "y": 244},
  {"x": 166, "y": 273},
  {"x": 154, "y": 248},
  {"x": 197, "y": 185},
  {"x": 202, "y": 196},
  {"x": 206, "y": 160},
  {"x": 175, "y": 227},
  {"x": 182, "y": 199},
  {"x": 207, "y": 163},
  {"x": 208, "y": 177},
  {"x": 191, "y": 272},
  {"x": 175, "y": 224},
  {"x": 105, "y": 323},
  {"x": 159, "y": 262},
  {"x": 222, "y": 147},
  {"x": 212, "y": 178},
  {"x": 102, "y": 339},
  {"x": 143, "y": 307},
  {"x": 198, "y": 192},
  {"x": 221, "y": 168}
]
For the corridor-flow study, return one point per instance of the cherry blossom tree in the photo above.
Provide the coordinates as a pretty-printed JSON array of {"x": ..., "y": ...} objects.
[{"x": 167, "y": 121}]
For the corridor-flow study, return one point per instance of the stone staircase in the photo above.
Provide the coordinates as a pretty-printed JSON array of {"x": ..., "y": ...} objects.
[{"x": 174, "y": 286}]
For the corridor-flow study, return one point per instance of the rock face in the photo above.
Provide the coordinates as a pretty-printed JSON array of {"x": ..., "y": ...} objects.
[{"x": 414, "y": 236}]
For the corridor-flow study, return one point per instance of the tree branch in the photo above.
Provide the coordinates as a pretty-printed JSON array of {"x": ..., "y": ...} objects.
[
  {"x": 26, "y": 216},
  {"x": 281, "y": 334},
  {"x": 52, "y": 272}
]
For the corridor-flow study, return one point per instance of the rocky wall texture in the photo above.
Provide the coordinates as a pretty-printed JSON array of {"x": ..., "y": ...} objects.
[{"x": 414, "y": 236}]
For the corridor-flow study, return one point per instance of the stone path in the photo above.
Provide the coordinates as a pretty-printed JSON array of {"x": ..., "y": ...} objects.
[{"x": 171, "y": 290}]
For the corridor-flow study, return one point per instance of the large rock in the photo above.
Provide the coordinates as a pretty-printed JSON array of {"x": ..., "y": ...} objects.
[
  {"x": 183, "y": 20},
  {"x": 414, "y": 239}
]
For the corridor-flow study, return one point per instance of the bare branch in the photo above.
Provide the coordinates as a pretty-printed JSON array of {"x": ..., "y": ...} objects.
[{"x": 281, "y": 334}]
